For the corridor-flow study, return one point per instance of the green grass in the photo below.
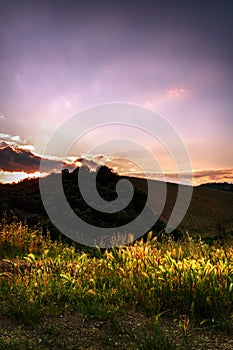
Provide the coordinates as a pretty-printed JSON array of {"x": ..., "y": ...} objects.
[{"x": 39, "y": 277}]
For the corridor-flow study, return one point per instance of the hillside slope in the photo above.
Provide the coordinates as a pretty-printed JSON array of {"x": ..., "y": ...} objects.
[{"x": 210, "y": 212}]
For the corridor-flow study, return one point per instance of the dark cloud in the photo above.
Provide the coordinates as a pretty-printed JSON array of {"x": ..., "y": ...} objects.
[
  {"x": 16, "y": 159},
  {"x": 3, "y": 144}
]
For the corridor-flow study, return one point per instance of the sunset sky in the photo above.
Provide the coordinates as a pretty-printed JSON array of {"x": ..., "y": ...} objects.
[{"x": 60, "y": 57}]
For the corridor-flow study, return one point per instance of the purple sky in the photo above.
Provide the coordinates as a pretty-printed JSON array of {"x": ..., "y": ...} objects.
[{"x": 175, "y": 57}]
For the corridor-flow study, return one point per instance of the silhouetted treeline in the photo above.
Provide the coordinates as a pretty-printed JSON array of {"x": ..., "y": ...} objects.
[{"x": 221, "y": 186}]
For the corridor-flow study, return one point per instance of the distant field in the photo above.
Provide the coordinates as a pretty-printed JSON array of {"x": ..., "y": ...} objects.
[{"x": 210, "y": 212}]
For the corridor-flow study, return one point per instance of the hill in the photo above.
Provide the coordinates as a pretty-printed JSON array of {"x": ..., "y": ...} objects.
[
  {"x": 23, "y": 202},
  {"x": 221, "y": 186},
  {"x": 210, "y": 212}
]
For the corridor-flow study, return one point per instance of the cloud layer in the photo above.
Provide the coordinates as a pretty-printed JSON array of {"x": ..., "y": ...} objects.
[
  {"x": 198, "y": 177},
  {"x": 16, "y": 159}
]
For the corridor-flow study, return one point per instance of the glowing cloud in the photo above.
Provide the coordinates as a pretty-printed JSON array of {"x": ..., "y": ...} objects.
[
  {"x": 4, "y": 136},
  {"x": 10, "y": 177},
  {"x": 175, "y": 92},
  {"x": 16, "y": 138}
]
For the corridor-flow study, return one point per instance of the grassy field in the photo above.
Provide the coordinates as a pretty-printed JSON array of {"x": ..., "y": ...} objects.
[
  {"x": 210, "y": 212},
  {"x": 153, "y": 295}
]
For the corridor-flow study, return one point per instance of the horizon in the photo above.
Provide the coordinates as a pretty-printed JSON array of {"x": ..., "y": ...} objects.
[
  {"x": 130, "y": 175},
  {"x": 175, "y": 59}
]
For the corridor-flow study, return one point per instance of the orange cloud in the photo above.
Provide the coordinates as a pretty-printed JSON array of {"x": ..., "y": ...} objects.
[
  {"x": 218, "y": 175},
  {"x": 198, "y": 176}
]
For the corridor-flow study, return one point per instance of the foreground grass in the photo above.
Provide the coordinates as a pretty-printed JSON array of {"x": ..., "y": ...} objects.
[{"x": 189, "y": 282}]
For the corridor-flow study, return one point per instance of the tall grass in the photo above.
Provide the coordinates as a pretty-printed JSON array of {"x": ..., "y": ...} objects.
[{"x": 39, "y": 276}]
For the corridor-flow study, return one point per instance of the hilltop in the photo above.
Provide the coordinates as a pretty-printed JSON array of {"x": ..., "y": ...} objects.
[{"x": 221, "y": 186}]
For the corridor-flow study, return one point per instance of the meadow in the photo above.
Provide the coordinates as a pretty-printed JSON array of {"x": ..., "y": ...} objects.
[
  {"x": 149, "y": 295},
  {"x": 213, "y": 208}
]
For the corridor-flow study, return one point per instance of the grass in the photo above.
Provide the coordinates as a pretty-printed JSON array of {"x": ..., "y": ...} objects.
[
  {"x": 212, "y": 208},
  {"x": 186, "y": 281}
]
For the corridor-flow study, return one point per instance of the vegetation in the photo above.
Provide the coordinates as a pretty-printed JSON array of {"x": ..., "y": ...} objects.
[
  {"x": 22, "y": 202},
  {"x": 148, "y": 282},
  {"x": 220, "y": 186},
  {"x": 209, "y": 215},
  {"x": 160, "y": 292}
]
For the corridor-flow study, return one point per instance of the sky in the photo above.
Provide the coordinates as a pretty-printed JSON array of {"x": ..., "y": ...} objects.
[{"x": 60, "y": 57}]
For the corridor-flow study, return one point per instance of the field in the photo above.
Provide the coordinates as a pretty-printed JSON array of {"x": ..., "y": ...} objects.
[
  {"x": 150, "y": 295},
  {"x": 213, "y": 208}
]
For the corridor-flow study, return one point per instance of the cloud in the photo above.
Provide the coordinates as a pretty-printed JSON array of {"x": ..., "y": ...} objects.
[
  {"x": 92, "y": 165},
  {"x": 14, "y": 141},
  {"x": 16, "y": 138},
  {"x": 216, "y": 175},
  {"x": 9, "y": 177},
  {"x": 28, "y": 147},
  {"x": 18, "y": 162},
  {"x": 175, "y": 92},
  {"x": 16, "y": 159},
  {"x": 118, "y": 164},
  {"x": 2, "y": 117},
  {"x": 4, "y": 143},
  {"x": 22, "y": 158},
  {"x": 198, "y": 176},
  {"x": 4, "y": 136}
]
